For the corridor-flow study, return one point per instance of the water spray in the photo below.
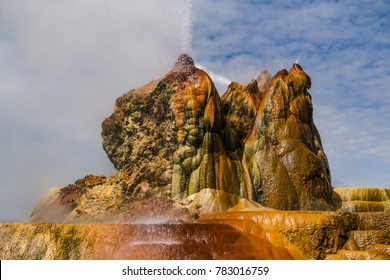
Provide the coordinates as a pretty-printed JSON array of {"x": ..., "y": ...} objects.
[
  {"x": 215, "y": 77},
  {"x": 186, "y": 44},
  {"x": 300, "y": 56}
]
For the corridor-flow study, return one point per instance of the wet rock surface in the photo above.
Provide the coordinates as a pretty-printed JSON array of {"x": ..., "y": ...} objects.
[
  {"x": 320, "y": 235},
  {"x": 364, "y": 199},
  {"x": 247, "y": 233},
  {"x": 135, "y": 241},
  {"x": 283, "y": 157}
]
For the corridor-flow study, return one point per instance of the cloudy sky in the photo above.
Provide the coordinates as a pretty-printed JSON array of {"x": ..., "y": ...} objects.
[{"x": 63, "y": 64}]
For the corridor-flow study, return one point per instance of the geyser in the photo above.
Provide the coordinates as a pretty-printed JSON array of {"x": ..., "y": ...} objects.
[
  {"x": 187, "y": 27},
  {"x": 221, "y": 173}
]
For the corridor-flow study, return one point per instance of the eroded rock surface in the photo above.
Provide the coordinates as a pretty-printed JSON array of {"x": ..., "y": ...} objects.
[{"x": 179, "y": 146}]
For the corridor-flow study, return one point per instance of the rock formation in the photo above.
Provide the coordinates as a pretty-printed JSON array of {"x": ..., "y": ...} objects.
[
  {"x": 168, "y": 134},
  {"x": 259, "y": 142},
  {"x": 283, "y": 155},
  {"x": 204, "y": 177}
]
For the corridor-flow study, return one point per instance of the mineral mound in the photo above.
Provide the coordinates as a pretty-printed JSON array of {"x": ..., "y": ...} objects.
[
  {"x": 258, "y": 142},
  {"x": 207, "y": 177}
]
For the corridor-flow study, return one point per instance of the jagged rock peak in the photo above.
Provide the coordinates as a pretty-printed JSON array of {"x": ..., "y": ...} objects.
[
  {"x": 253, "y": 86},
  {"x": 183, "y": 68},
  {"x": 263, "y": 80},
  {"x": 296, "y": 69},
  {"x": 184, "y": 59}
]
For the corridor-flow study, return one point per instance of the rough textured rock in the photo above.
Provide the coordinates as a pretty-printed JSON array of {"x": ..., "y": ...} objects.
[
  {"x": 263, "y": 80},
  {"x": 364, "y": 199},
  {"x": 176, "y": 139},
  {"x": 140, "y": 137},
  {"x": 178, "y": 145},
  {"x": 106, "y": 203},
  {"x": 315, "y": 234},
  {"x": 283, "y": 159},
  {"x": 240, "y": 105}
]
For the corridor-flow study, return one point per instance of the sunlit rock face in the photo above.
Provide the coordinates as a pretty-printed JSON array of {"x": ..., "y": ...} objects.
[
  {"x": 284, "y": 162},
  {"x": 201, "y": 160},
  {"x": 140, "y": 137}
]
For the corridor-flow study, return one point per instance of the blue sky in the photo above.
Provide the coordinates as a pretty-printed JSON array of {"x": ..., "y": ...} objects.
[
  {"x": 343, "y": 45},
  {"x": 63, "y": 64}
]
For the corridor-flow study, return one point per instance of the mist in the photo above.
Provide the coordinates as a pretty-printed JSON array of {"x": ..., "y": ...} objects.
[{"x": 62, "y": 65}]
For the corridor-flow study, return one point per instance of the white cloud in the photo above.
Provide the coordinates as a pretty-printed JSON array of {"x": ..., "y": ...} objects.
[
  {"x": 343, "y": 46},
  {"x": 62, "y": 65}
]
